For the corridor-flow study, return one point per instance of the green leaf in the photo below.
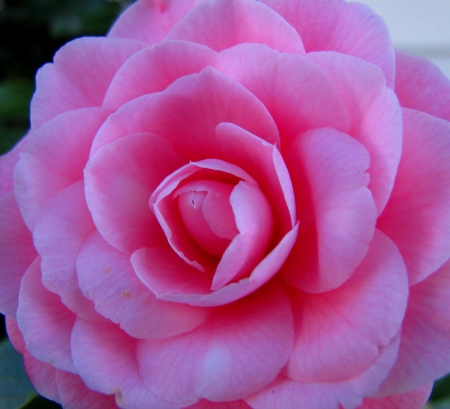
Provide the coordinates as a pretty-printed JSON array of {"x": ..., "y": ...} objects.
[
  {"x": 15, "y": 95},
  {"x": 16, "y": 389}
]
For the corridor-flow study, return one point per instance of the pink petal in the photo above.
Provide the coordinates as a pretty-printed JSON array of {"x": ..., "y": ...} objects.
[
  {"x": 42, "y": 376},
  {"x": 75, "y": 395},
  {"x": 414, "y": 399},
  {"x": 206, "y": 404},
  {"x": 254, "y": 221},
  {"x": 424, "y": 353},
  {"x": 79, "y": 76},
  {"x": 264, "y": 162},
  {"x": 172, "y": 279},
  {"x": 107, "y": 278},
  {"x": 167, "y": 212},
  {"x": 375, "y": 116},
  {"x": 336, "y": 210},
  {"x": 60, "y": 231},
  {"x": 53, "y": 159},
  {"x": 339, "y": 333},
  {"x": 205, "y": 209},
  {"x": 334, "y": 25},
  {"x": 187, "y": 113},
  {"x": 16, "y": 253},
  {"x": 417, "y": 216},
  {"x": 420, "y": 85},
  {"x": 7, "y": 163},
  {"x": 14, "y": 335},
  {"x": 150, "y": 20},
  {"x": 105, "y": 358},
  {"x": 215, "y": 361},
  {"x": 289, "y": 394},
  {"x": 45, "y": 323},
  {"x": 120, "y": 179},
  {"x": 221, "y": 24},
  {"x": 154, "y": 69},
  {"x": 297, "y": 93}
]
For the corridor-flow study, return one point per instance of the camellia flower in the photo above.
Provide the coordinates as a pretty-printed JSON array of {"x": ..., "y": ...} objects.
[{"x": 232, "y": 204}]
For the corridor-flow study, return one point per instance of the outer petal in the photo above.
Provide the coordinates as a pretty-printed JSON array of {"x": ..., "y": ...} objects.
[
  {"x": 154, "y": 69},
  {"x": 53, "y": 159},
  {"x": 16, "y": 253},
  {"x": 42, "y": 376},
  {"x": 335, "y": 208},
  {"x": 120, "y": 179},
  {"x": 221, "y": 24},
  {"x": 417, "y": 216},
  {"x": 349, "y": 28},
  {"x": 46, "y": 324},
  {"x": 7, "y": 163},
  {"x": 339, "y": 333},
  {"x": 239, "y": 350},
  {"x": 187, "y": 113},
  {"x": 75, "y": 395},
  {"x": 420, "y": 85},
  {"x": 297, "y": 93},
  {"x": 375, "y": 116},
  {"x": 288, "y": 394},
  {"x": 107, "y": 278},
  {"x": 105, "y": 358},
  {"x": 414, "y": 399},
  {"x": 79, "y": 76},
  {"x": 206, "y": 404},
  {"x": 61, "y": 229},
  {"x": 150, "y": 20},
  {"x": 424, "y": 353}
]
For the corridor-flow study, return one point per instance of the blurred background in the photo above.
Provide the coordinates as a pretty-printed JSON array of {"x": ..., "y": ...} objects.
[{"x": 32, "y": 30}]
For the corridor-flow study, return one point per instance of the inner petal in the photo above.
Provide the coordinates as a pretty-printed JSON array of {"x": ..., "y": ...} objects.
[{"x": 206, "y": 211}]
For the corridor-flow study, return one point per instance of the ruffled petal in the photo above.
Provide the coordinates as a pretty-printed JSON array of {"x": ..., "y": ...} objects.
[
  {"x": 187, "y": 113},
  {"x": 75, "y": 395},
  {"x": 296, "y": 92},
  {"x": 79, "y": 76},
  {"x": 60, "y": 231},
  {"x": 340, "y": 332},
  {"x": 421, "y": 85},
  {"x": 171, "y": 279},
  {"x": 46, "y": 324},
  {"x": 150, "y": 20},
  {"x": 215, "y": 361},
  {"x": 154, "y": 69},
  {"x": 424, "y": 353},
  {"x": 335, "y": 25},
  {"x": 414, "y": 399},
  {"x": 7, "y": 163},
  {"x": 206, "y": 404},
  {"x": 105, "y": 358},
  {"x": 17, "y": 252},
  {"x": 289, "y": 394},
  {"x": 263, "y": 161},
  {"x": 375, "y": 116},
  {"x": 221, "y": 24},
  {"x": 53, "y": 159},
  {"x": 336, "y": 209},
  {"x": 107, "y": 278},
  {"x": 120, "y": 179},
  {"x": 417, "y": 217},
  {"x": 42, "y": 375}
]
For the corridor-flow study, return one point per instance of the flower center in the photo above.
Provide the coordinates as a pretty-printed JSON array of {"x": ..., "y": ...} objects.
[{"x": 207, "y": 214}]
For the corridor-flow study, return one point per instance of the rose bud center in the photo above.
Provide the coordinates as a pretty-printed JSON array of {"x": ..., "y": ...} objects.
[{"x": 207, "y": 214}]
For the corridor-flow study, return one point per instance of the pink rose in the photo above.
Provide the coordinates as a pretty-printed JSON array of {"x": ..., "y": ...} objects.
[{"x": 232, "y": 204}]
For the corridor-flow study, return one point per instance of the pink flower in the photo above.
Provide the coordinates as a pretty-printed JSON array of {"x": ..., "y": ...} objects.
[{"x": 232, "y": 204}]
